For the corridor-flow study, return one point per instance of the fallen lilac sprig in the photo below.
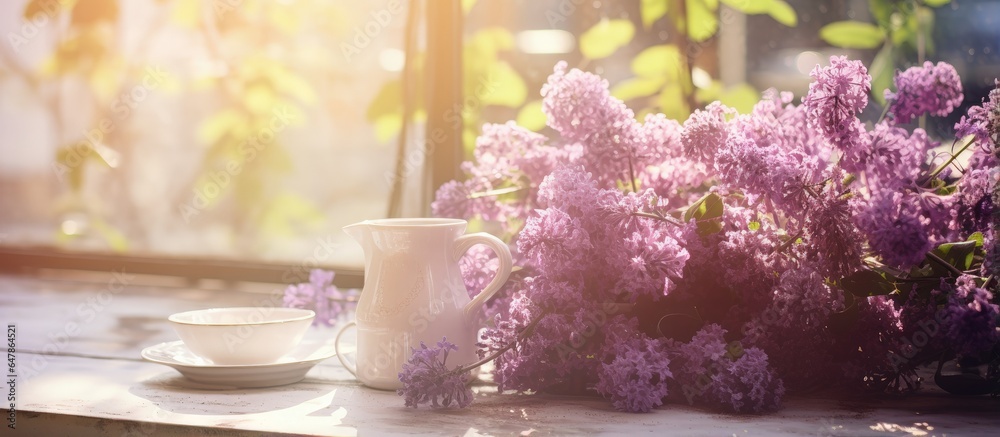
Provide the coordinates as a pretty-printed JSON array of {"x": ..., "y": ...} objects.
[{"x": 427, "y": 379}]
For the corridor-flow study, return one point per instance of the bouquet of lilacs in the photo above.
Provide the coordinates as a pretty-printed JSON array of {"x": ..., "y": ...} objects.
[{"x": 730, "y": 258}]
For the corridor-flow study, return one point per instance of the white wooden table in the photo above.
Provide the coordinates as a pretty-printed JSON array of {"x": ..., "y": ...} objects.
[{"x": 84, "y": 340}]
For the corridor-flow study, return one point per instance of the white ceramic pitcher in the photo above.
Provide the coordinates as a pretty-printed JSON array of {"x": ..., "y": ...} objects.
[{"x": 414, "y": 292}]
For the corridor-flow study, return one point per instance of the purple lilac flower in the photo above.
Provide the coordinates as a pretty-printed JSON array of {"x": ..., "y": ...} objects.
[
  {"x": 765, "y": 155},
  {"x": 893, "y": 225},
  {"x": 983, "y": 122},
  {"x": 803, "y": 300},
  {"x": 635, "y": 371},
  {"x": 793, "y": 328},
  {"x": 553, "y": 294},
  {"x": 653, "y": 262},
  {"x": 452, "y": 200},
  {"x": 867, "y": 347},
  {"x": 427, "y": 379},
  {"x": 836, "y": 95},
  {"x": 478, "y": 266},
  {"x": 511, "y": 150},
  {"x": 553, "y": 354},
  {"x": 710, "y": 370},
  {"x": 502, "y": 144},
  {"x": 555, "y": 243},
  {"x": 833, "y": 241},
  {"x": 894, "y": 158},
  {"x": 758, "y": 167},
  {"x": 616, "y": 211},
  {"x": 319, "y": 295},
  {"x": 974, "y": 206},
  {"x": 928, "y": 89},
  {"x": 991, "y": 263},
  {"x": 579, "y": 106},
  {"x": 748, "y": 257},
  {"x": 705, "y": 131},
  {"x": 971, "y": 318},
  {"x": 571, "y": 189},
  {"x": 658, "y": 138},
  {"x": 675, "y": 179},
  {"x": 507, "y": 156}
]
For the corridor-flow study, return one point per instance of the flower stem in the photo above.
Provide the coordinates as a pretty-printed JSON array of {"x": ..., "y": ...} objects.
[
  {"x": 658, "y": 217},
  {"x": 954, "y": 156},
  {"x": 496, "y": 192},
  {"x": 520, "y": 336},
  {"x": 790, "y": 241},
  {"x": 885, "y": 111},
  {"x": 631, "y": 173},
  {"x": 931, "y": 256}
]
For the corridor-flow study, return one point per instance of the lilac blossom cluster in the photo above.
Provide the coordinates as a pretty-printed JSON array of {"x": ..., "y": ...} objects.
[
  {"x": 728, "y": 258},
  {"x": 927, "y": 89},
  {"x": 427, "y": 379}
]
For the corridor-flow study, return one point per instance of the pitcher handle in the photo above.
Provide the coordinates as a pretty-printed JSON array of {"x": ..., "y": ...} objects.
[
  {"x": 463, "y": 244},
  {"x": 340, "y": 356}
]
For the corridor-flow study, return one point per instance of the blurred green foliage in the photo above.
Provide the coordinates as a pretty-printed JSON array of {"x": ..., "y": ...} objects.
[
  {"x": 902, "y": 29},
  {"x": 663, "y": 73},
  {"x": 240, "y": 136}
]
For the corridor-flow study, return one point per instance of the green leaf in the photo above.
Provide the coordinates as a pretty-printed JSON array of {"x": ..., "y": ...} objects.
[
  {"x": 467, "y": 5},
  {"x": 977, "y": 237},
  {"x": 116, "y": 239},
  {"x": 491, "y": 40},
  {"x": 661, "y": 61},
  {"x": 882, "y": 71},
  {"x": 259, "y": 98},
  {"x": 652, "y": 10},
  {"x": 387, "y": 126},
  {"x": 936, "y": 3},
  {"x": 672, "y": 102},
  {"x": 866, "y": 282},
  {"x": 748, "y": 7},
  {"x": 605, "y": 37},
  {"x": 469, "y": 135},
  {"x": 701, "y": 20},
  {"x": 741, "y": 96},
  {"x": 636, "y": 87},
  {"x": 504, "y": 86},
  {"x": 707, "y": 213},
  {"x": 531, "y": 116},
  {"x": 286, "y": 213},
  {"x": 852, "y": 35},
  {"x": 389, "y": 100},
  {"x": 882, "y": 12},
  {"x": 783, "y": 13},
  {"x": 227, "y": 121},
  {"x": 292, "y": 84},
  {"x": 777, "y": 9},
  {"x": 958, "y": 254},
  {"x": 186, "y": 13},
  {"x": 70, "y": 162}
]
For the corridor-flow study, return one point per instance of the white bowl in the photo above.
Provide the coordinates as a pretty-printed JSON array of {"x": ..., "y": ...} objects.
[{"x": 239, "y": 336}]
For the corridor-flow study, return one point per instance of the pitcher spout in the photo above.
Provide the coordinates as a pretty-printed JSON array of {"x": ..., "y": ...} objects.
[{"x": 359, "y": 232}]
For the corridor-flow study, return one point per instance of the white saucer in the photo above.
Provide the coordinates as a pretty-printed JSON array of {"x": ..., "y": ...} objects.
[{"x": 288, "y": 369}]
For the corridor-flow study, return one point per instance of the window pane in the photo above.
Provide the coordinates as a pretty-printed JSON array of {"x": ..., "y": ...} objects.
[{"x": 231, "y": 129}]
